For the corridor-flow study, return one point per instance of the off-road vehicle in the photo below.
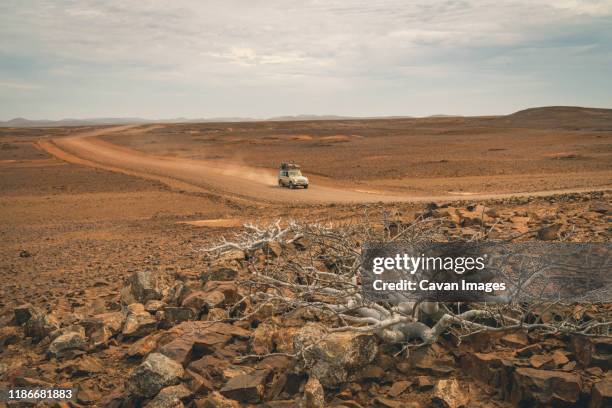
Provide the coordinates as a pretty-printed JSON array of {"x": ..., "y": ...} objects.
[{"x": 289, "y": 175}]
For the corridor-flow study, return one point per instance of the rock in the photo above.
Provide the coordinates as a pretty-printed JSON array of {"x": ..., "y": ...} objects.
[
  {"x": 221, "y": 272},
  {"x": 145, "y": 286},
  {"x": 200, "y": 302},
  {"x": 179, "y": 349},
  {"x": 542, "y": 361},
  {"x": 197, "y": 383},
  {"x": 330, "y": 357},
  {"x": 8, "y": 335},
  {"x": 516, "y": 340},
  {"x": 24, "y": 254},
  {"x": 448, "y": 393},
  {"x": 40, "y": 326},
  {"x": 559, "y": 358},
  {"x": 155, "y": 373},
  {"x": 247, "y": 388},
  {"x": 592, "y": 351},
  {"x": 424, "y": 383},
  {"x": 371, "y": 372},
  {"x": 143, "y": 346},
  {"x": 173, "y": 315},
  {"x": 216, "y": 400},
  {"x": 549, "y": 233},
  {"x": 491, "y": 369},
  {"x": 67, "y": 343},
  {"x": 177, "y": 293},
  {"x": 314, "y": 396},
  {"x": 170, "y": 397},
  {"x": 533, "y": 387},
  {"x": 398, "y": 388},
  {"x": 84, "y": 366},
  {"x": 601, "y": 394},
  {"x": 102, "y": 327},
  {"x": 23, "y": 313},
  {"x": 138, "y": 322}
]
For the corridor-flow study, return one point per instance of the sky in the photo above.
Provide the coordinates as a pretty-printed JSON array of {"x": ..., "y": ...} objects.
[{"x": 256, "y": 58}]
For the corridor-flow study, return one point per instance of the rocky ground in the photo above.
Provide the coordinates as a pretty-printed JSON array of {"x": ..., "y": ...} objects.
[{"x": 164, "y": 325}]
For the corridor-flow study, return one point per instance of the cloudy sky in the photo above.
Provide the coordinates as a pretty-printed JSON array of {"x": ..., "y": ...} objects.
[{"x": 262, "y": 58}]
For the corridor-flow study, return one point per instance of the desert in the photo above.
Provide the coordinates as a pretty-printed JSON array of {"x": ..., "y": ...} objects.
[{"x": 160, "y": 265}]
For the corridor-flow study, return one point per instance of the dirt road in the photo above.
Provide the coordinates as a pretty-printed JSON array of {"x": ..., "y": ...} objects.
[{"x": 228, "y": 179}]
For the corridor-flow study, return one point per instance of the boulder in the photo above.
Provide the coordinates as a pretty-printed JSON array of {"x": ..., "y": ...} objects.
[
  {"x": 448, "y": 393},
  {"x": 532, "y": 387},
  {"x": 247, "y": 388},
  {"x": 155, "y": 373},
  {"x": 174, "y": 315},
  {"x": 65, "y": 344},
  {"x": 330, "y": 357},
  {"x": 143, "y": 346},
  {"x": 170, "y": 397},
  {"x": 179, "y": 349},
  {"x": 138, "y": 322},
  {"x": 102, "y": 327},
  {"x": 145, "y": 286},
  {"x": 200, "y": 302}
]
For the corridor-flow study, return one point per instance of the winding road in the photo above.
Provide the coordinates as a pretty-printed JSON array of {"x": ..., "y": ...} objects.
[{"x": 236, "y": 181}]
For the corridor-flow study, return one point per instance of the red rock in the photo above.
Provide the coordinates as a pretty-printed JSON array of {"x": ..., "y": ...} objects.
[
  {"x": 197, "y": 383},
  {"x": 247, "y": 388},
  {"x": 559, "y": 358},
  {"x": 491, "y": 369},
  {"x": 542, "y": 361},
  {"x": 542, "y": 387}
]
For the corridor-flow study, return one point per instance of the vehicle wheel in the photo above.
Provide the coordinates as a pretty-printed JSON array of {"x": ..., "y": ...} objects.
[
  {"x": 291, "y": 186},
  {"x": 306, "y": 186},
  {"x": 280, "y": 183}
]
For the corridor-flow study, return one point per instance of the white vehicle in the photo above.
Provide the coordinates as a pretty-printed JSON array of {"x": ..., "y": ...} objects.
[{"x": 289, "y": 175}]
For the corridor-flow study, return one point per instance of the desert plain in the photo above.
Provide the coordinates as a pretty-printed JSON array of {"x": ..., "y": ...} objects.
[{"x": 85, "y": 210}]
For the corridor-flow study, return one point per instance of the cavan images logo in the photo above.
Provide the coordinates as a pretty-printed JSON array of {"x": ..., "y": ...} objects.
[{"x": 486, "y": 272}]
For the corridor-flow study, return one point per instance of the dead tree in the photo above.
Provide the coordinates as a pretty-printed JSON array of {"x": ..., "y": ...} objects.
[{"x": 318, "y": 269}]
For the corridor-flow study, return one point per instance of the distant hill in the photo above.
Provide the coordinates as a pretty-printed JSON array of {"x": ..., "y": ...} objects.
[
  {"x": 549, "y": 117},
  {"x": 560, "y": 117}
]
